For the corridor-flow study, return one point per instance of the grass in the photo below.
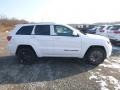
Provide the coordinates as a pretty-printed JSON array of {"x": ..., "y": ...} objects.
[{"x": 7, "y": 24}]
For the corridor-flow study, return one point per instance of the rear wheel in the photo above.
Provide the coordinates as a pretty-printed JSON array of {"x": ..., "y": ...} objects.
[
  {"x": 26, "y": 56},
  {"x": 95, "y": 56}
]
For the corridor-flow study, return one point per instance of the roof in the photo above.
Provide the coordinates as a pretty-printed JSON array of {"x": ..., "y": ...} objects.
[{"x": 41, "y": 23}]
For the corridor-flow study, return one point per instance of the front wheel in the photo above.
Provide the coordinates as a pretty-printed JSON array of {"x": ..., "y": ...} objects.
[{"x": 95, "y": 56}]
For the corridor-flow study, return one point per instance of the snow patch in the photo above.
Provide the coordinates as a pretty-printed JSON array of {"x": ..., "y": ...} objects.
[
  {"x": 99, "y": 80},
  {"x": 103, "y": 85},
  {"x": 108, "y": 61},
  {"x": 92, "y": 77},
  {"x": 115, "y": 82},
  {"x": 112, "y": 65},
  {"x": 102, "y": 81},
  {"x": 116, "y": 61},
  {"x": 99, "y": 69},
  {"x": 32, "y": 86},
  {"x": 112, "y": 72}
]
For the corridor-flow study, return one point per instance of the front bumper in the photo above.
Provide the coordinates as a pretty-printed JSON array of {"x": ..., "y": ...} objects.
[{"x": 108, "y": 50}]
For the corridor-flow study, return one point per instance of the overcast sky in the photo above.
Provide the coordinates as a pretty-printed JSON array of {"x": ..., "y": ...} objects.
[{"x": 64, "y": 11}]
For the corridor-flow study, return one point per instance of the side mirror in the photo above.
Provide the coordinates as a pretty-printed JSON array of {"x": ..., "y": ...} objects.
[{"x": 75, "y": 34}]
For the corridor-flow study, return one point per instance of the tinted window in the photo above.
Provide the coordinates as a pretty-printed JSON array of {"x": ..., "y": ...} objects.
[
  {"x": 62, "y": 30},
  {"x": 42, "y": 30},
  {"x": 25, "y": 30},
  {"x": 109, "y": 27},
  {"x": 101, "y": 27},
  {"x": 116, "y": 27}
]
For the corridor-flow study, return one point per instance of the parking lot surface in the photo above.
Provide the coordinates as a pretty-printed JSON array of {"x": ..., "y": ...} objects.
[{"x": 58, "y": 73}]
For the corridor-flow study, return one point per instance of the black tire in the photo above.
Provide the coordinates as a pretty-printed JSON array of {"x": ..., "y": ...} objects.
[
  {"x": 95, "y": 56},
  {"x": 26, "y": 56}
]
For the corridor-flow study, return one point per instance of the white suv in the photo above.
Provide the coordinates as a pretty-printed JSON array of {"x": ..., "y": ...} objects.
[{"x": 28, "y": 41}]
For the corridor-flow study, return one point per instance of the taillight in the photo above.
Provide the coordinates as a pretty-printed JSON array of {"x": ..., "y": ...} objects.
[
  {"x": 101, "y": 30},
  {"x": 116, "y": 32},
  {"x": 9, "y": 38}
]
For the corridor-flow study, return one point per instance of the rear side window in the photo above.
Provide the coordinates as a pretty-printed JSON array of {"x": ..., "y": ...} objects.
[
  {"x": 25, "y": 30},
  {"x": 42, "y": 30}
]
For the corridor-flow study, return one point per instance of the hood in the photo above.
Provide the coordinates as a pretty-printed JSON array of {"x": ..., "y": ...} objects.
[{"x": 97, "y": 37}]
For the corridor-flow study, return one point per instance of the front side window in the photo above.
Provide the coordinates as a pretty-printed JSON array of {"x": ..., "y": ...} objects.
[
  {"x": 42, "y": 30},
  {"x": 62, "y": 31},
  {"x": 25, "y": 30}
]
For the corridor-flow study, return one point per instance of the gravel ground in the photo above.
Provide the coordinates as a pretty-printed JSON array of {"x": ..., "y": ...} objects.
[{"x": 58, "y": 73}]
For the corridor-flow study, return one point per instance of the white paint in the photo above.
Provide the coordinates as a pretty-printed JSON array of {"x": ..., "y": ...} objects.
[{"x": 57, "y": 45}]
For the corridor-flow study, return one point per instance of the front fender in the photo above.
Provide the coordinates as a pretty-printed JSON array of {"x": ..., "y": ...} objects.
[{"x": 87, "y": 44}]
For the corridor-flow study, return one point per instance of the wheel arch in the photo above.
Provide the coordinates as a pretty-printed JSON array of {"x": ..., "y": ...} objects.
[
  {"x": 25, "y": 46},
  {"x": 95, "y": 46}
]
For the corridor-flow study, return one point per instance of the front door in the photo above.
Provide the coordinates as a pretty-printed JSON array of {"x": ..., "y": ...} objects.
[{"x": 65, "y": 44}]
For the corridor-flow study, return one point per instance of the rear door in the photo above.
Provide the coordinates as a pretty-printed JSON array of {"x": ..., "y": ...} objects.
[
  {"x": 23, "y": 35},
  {"x": 44, "y": 40}
]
